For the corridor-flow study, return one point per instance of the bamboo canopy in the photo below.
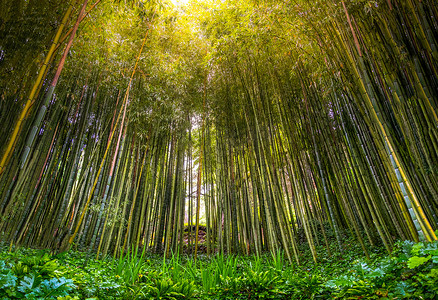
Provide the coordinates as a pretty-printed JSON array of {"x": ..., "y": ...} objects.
[{"x": 264, "y": 124}]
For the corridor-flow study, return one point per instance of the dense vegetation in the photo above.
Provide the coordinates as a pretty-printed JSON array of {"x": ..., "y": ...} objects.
[
  {"x": 409, "y": 273},
  {"x": 231, "y": 127}
]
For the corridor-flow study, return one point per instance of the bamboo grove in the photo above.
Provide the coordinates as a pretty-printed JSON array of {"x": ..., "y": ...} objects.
[{"x": 264, "y": 123}]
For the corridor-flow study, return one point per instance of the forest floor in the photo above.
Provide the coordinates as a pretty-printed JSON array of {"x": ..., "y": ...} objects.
[{"x": 410, "y": 272}]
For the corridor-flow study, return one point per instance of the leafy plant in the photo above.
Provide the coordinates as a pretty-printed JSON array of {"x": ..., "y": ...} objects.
[
  {"x": 261, "y": 285},
  {"x": 409, "y": 273},
  {"x": 278, "y": 262},
  {"x": 256, "y": 265},
  {"x": 186, "y": 288},
  {"x": 208, "y": 281},
  {"x": 32, "y": 286},
  {"x": 129, "y": 267},
  {"x": 224, "y": 267},
  {"x": 165, "y": 289},
  {"x": 309, "y": 286}
]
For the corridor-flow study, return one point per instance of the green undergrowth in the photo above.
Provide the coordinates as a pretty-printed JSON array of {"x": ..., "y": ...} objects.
[{"x": 410, "y": 272}]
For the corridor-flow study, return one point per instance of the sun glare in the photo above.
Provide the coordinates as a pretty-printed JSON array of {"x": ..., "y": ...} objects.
[{"x": 179, "y": 2}]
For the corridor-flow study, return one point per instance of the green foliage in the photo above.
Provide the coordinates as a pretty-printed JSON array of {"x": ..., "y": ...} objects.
[
  {"x": 249, "y": 285},
  {"x": 278, "y": 262},
  {"x": 306, "y": 287},
  {"x": 416, "y": 261},
  {"x": 168, "y": 290},
  {"x": 94, "y": 278},
  {"x": 129, "y": 267},
  {"x": 409, "y": 273},
  {"x": 224, "y": 267},
  {"x": 20, "y": 281}
]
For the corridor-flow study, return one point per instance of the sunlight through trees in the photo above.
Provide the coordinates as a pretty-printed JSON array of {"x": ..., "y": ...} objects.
[{"x": 218, "y": 126}]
